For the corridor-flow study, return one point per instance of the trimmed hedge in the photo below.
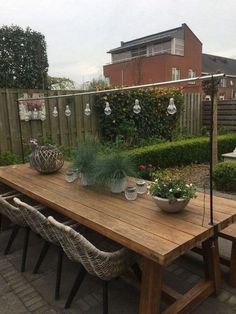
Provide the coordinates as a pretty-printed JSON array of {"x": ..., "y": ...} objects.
[
  {"x": 184, "y": 152},
  {"x": 224, "y": 176}
]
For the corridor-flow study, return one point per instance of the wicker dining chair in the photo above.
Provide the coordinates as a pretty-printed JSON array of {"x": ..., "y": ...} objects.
[
  {"x": 15, "y": 216},
  {"x": 40, "y": 225},
  {"x": 97, "y": 255}
]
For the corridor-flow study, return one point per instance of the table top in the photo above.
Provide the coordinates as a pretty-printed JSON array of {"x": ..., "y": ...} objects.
[{"x": 138, "y": 225}]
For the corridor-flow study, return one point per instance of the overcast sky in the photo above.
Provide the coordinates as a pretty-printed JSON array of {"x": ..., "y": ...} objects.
[{"x": 80, "y": 32}]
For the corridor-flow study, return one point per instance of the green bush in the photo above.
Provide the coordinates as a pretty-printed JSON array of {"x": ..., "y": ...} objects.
[
  {"x": 184, "y": 152},
  {"x": 224, "y": 176},
  {"x": 152, "y": 121},
  {"x": 7, "y": 158}
]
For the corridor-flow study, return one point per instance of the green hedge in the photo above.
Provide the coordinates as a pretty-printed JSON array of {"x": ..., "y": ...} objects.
[
  {"x": 224, "y": 176},
  {"x": 184, "y": 152}
]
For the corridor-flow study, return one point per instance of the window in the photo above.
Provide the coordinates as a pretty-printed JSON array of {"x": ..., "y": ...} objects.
[
  {"x": 162, "y": 48},
  {"x": 223, "y": 82},
  {"x": 179, "y": 47},
  {"x": 175, "y": 74},
  {"x": 191, "y": 73},
  {"x": 141, "y": 51},
  {"x": 122, "y": 56}
]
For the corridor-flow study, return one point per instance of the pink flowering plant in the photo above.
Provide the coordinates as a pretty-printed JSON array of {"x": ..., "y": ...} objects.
[
  {"x": 172, "y": 189},
  {"x": 145, "y": 171}
]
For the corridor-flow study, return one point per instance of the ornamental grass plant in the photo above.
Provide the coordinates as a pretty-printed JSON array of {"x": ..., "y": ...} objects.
[{"x": 113, "y": 167}]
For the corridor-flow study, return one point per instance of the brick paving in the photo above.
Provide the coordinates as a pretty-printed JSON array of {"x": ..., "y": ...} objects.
[{"x": 34, "y": 293}]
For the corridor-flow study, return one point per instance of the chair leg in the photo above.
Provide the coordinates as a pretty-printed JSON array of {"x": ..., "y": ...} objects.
[
  {"x": 78, "y": 281},
  {"x": 137, "y": 271},
  {"x": 12, "y": 237},
  {"x": 25, "y": 249},
  {"x": 105, "y": 297},
  {"x": 59, "y": 268},
  {"x": 42, "y": 255}
]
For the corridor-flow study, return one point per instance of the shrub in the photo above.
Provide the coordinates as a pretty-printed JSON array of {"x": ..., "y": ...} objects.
[
  {"x": 7, "y": 158},
  {"x": 224, "y": 176},
  {"x": 184, "y": 152},
  {"x": 153, "y": 120}
]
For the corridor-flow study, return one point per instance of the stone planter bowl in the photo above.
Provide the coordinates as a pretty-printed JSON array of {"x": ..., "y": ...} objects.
[{"x": 171, "y": 206}]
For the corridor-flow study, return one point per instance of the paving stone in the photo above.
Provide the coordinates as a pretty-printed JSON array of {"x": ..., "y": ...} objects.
[
  {"x": 42, "y": 310},
  {"x": 23, "y": 287},
  {"x": 36, "y": 305},
  {"x": 178, "y": 271},
  {"x": 193, "y": 278},
  {"x": 35, "y": 299},
  {"x": 232, "y": 300},
  {"x": 91, "y": 300},
  {"x": 11, "y": 304},
  {"x": 224, "y": 296},
  {"x": 172, "y": 267},
  {"x": 83, "y": 306}
]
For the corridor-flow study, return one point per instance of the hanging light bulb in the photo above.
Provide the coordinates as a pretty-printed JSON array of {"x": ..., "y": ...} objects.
[
  {"x": 87, "y": 110},
  {"x": 171, "y": 109},
  {"x": 107, "y": 109},
  {"x": 42, "y": 116},
  {"x": 35, "y": 114},
  {"x": 136, "y": 107},
  {"x": 55, "y": 112},
  {"x": 27, "y": 117},
  {"x": 67, "y": 111}
]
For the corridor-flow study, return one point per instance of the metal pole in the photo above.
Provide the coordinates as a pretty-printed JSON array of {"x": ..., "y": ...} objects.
[
  {"x": 107, "y": 91},
  {"x": 20, "y": 132},
  {"x": 211, "y": 150}
]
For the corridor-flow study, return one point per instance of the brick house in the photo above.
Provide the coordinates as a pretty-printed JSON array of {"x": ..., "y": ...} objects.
[{"x": 170, "y": 55}]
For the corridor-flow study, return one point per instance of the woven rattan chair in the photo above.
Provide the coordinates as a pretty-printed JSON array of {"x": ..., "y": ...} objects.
[
  {"x": 96, "y": 254},
  {"x": 14, "y": 215},
  {"x": 39, "y": 224}
]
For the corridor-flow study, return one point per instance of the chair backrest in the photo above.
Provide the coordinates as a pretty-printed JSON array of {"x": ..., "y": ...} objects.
[
  {"x": 11, "y": 212},
  {"x": 105, "y": 265},
  {"x": 37, "y": 221}
]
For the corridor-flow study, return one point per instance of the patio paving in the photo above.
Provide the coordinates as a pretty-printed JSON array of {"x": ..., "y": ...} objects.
[{"x": 30, "y": 293}]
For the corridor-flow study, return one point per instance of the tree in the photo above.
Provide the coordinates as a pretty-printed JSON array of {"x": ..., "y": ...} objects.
[
  {"x": 97, "y": 84},
  {"x": 60, "y": 83},
  {"x": 23, "y": 56}
]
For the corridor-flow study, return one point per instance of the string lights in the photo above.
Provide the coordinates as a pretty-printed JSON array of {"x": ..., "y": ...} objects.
[{"x": 171, "y": 109}]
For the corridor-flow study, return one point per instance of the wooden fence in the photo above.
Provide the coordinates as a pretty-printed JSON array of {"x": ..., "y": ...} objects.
[
  {"x": 61, "y": 130},
  {"x": 191, "y": 117},
  {"x": 66, "y": 130},
  {"x": 226, "y": 114}
]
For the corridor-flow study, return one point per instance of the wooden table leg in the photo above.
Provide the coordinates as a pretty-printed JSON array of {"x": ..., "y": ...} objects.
[
  {"x": 212, "y": 262},
  {"x": 232, "y": 272},
  {"x": 150, "y": 298}
]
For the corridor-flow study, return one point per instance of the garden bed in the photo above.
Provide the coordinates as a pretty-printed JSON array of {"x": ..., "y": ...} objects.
[{"x": 198, "y": 174}]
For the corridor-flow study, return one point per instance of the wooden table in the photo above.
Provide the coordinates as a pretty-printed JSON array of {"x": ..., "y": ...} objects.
[{"x": 139, "y": 225}]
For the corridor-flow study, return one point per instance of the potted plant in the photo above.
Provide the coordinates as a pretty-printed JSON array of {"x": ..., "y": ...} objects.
[
  {"x": 114, "y": 170},
  {"x": 85, "y": 158},
  {"x": 171, "y": 195}
]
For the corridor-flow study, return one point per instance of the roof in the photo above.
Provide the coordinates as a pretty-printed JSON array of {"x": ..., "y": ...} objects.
[
  {"x": 212, "y": 64},
  {"x": 155, "y": 38}
]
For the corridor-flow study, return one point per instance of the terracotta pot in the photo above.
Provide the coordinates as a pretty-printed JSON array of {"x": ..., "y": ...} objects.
[{"x": 171, "y": 206}]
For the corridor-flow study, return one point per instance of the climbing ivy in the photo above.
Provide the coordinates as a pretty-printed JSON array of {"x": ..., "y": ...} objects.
[{"x": 152, "y": 121}]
